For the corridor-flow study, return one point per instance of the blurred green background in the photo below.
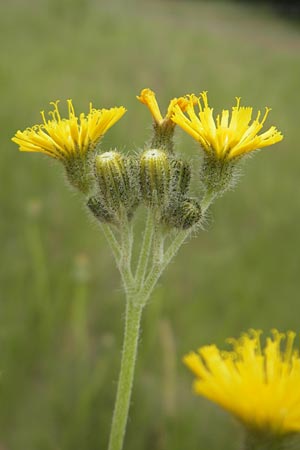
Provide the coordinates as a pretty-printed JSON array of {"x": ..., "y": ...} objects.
[{"x": 62, "y": 308}]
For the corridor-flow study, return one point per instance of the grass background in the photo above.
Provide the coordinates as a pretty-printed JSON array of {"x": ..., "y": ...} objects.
[{"x": 62, "y": 308}]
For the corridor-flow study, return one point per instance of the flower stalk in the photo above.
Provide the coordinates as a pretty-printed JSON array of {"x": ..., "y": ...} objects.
[
  {"x": 129, "y": 353},
  {"x": 152, "y": 262}
]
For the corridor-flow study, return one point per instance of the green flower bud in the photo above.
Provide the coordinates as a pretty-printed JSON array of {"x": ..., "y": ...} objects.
[
  {"x": 100, "y": 211},
  {"x": 112, "y": 179},
  {"x": 132, "y": 170},
  {"x": 118, "y": 182},
  {"x": 155, "y": 177},
  {"x": 183, "y": 215},
  {"x": 180, "y": 178}
]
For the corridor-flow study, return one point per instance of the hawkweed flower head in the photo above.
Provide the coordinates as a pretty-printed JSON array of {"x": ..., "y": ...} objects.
[
  {"x": 259, "y": 386},
  {"x": 229, "y": 136},
  {"x": 66, "y": 138},
  {"x": 225, "y": 139},
  {"x": 71, "y": 140},
  {"x": 163, "y": 126}
]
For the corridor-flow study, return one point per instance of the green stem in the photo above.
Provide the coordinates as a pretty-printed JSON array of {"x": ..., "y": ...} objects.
[
  {"x": 113, "y": 243},
  {"x": 207, "y": 200},
  {"x": 126, "y": 253},
  {"x": 145, "y": 251},
  {"x": 119, "y": 252},
  {"x": 158, "y": 269},
  {"x": 158, "y": 244},
  {"x": 131, "y": 336},
  {"x": 138, "y": 293}
]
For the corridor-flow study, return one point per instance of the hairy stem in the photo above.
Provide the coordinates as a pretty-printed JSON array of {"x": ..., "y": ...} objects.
[
  {"x": 207, "y": 200},
  {"x": 131, "y": 336},
  {"x": 158, "y": 269},
  {"x": 119, "y": 251},
  {"x": 125, "y": 258},
  {"x": 145, "y": 251},
  {"x": 113, "y": 243},
  {"x": 138, "y": 290}
]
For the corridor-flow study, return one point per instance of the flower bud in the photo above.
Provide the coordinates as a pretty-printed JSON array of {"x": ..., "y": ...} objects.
[
  {"x": 118, "y": 182},
  {"x": 184, "y": 214},
  {"x": 132, "y": 170},
  {"x": 155, "y": 177},
  {"x": 100, "y": 211},
  {"x": 112, "y": 179},
  {"x": 180, "y": 178}
]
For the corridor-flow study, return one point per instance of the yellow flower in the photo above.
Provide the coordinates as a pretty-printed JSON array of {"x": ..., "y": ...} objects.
[
  {"x": 226, "y": 137},
  {"x": 65, "y": 139},
  {"x": 261, "y": 387},
  {"x": 147, "y": 97}
]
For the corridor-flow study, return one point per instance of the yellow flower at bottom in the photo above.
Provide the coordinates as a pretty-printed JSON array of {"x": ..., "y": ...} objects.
[
  {"x": 65, "y": 139},
  {"x": 261, "y": 387},
  {"x": 226, "y": 137}
]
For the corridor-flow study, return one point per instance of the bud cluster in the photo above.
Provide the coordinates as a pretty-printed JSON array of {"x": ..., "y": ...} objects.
[
  {"x": 155, "y": 178},
  {"x": 165, "y": 183}
]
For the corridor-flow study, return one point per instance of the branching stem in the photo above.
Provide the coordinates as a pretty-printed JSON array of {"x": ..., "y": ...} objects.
[{"x": 138, "y": 289}]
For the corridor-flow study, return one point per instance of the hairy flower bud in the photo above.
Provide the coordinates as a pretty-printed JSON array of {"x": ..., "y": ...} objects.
[
  {"x": 100, "y": 211},
  {"x": 112, "y": 178},
  {"x": 155, "y": 177},
  {"x": 118, "y": 184},
  {"x": 183, "y": 215},
  {"x": 180, "y": 178},
  {"x": 133, "y": 173}
]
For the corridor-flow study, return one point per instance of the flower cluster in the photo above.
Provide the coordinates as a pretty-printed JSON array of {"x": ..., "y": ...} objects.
[{"x": 115, "y": 184}]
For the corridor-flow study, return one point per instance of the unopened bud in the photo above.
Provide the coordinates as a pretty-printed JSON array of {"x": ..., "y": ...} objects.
[
  {"x": 155, "y": 177},
  {"x": 183, "y": 215},
  {"x": 112, "y": 179},
  {"x": 180, "y": 178},
  {"x": 118, "y": 183},
  {"x": 132, "y": 170},
  {"x": 100, "y": 211}
]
